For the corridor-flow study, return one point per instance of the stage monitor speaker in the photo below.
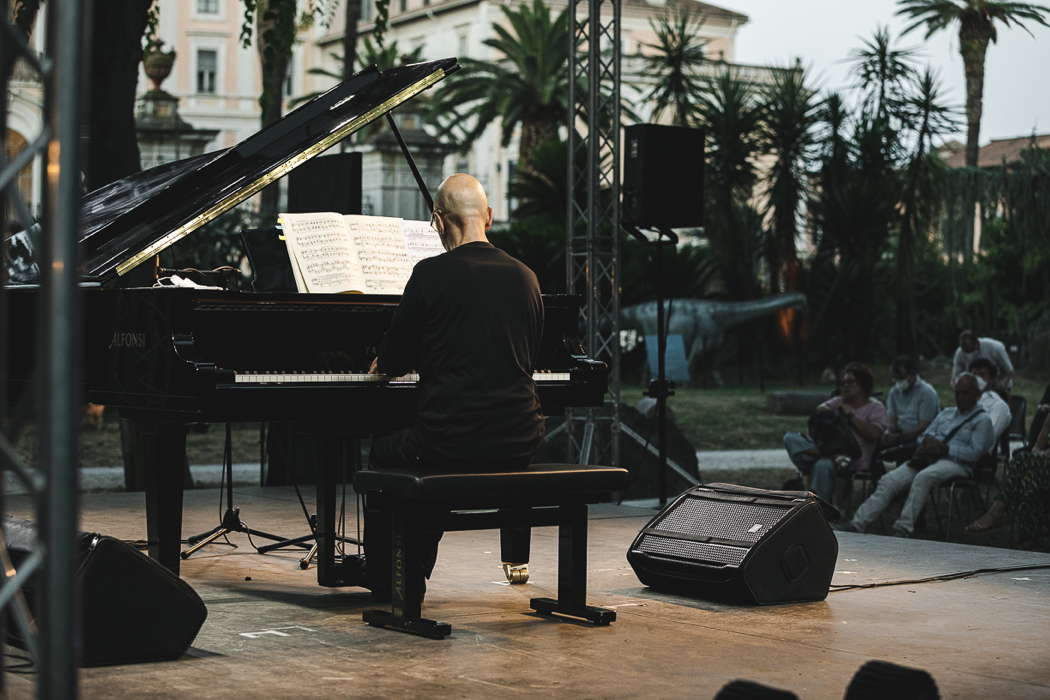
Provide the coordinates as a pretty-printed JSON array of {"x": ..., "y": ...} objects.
[
  {"x": 739, "y": 544},
  {"x": 133, "y": 609},
  {"x": 663, "y": 181},
  {"x": 326, "y": 183}
]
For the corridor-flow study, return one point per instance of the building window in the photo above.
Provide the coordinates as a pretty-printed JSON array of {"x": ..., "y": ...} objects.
[
  {"x": 366, "y": 10},
  {"x": 207, "y": 7},
  {"x": 207, "y": 67},
  {"x": 402, "y": 5},
  {"x": 288, "y": 77}
]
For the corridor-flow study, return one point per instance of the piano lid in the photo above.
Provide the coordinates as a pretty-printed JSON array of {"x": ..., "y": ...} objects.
[{"x": 130, "y": 220}]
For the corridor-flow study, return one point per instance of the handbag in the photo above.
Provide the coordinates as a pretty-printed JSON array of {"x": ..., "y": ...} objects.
[
  {"x": 831, "y": 433},
  {"x": 920, "y": 460}
]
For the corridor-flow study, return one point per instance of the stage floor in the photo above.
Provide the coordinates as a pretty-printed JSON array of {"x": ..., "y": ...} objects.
[{"x": 272, "y": 632}]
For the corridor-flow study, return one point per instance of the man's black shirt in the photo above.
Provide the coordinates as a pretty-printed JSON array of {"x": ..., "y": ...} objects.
[{"x": 470, "y": 322}]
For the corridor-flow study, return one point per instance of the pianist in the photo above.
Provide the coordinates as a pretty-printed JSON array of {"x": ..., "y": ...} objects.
[{"x": 470, "y": 322}]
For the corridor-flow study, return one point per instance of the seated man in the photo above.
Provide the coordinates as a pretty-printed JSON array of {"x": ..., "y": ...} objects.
[
  {"x": 866, "y": 418},
  {"x": 949, "y": 448},
  {"x": 470, "y": 321},
  {"x": 971, "y": 347},
  {"x": 910, "y": 406},
  {"x": 993, "y": 404}
]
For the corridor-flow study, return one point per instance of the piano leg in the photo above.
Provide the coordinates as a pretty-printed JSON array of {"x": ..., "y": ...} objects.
[
  {"x": 515, "y": 543},
  {"x": 334, "y": 454},
  {"x": 165, "y": 452}
]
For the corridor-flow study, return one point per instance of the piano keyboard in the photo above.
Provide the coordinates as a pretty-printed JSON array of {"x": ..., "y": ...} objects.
[{"x": 539, "y": 377}]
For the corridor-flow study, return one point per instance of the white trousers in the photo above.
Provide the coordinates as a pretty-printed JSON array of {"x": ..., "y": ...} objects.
[{"x": 917, "y": 483}]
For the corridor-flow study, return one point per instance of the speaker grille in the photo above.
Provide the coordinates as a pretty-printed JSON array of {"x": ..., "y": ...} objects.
[
  {"x": 693, "y": 551},
  {"x": 729, "y": 520}
]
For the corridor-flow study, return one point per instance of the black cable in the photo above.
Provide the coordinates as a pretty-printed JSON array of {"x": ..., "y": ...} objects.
[{"x": 836, "y": 587}]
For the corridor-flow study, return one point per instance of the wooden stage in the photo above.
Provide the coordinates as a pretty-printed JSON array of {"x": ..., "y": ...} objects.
[{"x": 273, "y": 633}]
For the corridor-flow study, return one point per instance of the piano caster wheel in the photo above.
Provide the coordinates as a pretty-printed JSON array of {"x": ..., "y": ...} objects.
[{"x": 516, "y": 573}]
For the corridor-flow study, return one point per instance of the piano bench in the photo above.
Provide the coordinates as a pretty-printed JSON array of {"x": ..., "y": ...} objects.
[{"x": 541, "y": 495}]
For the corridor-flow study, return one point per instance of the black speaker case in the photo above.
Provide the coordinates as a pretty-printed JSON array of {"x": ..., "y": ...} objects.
[
  {"x": 663, "y": 176},
  {"x": 792, "y": 562},
  {"x": 133, "y": 608}
]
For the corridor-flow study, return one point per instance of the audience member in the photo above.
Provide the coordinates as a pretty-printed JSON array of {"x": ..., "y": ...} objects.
[
  {"x": 948, "y": 448},
  {"x": 993, "y": 404},
  {"x": 1024, "y": 492},
  {"x": 971, "y": 347},
  {"x": 911, "y": 404},
  {"x": 867, "y": 421}
]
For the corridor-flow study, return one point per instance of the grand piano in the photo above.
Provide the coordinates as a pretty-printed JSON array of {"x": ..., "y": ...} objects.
[{"x": 169, "y": 356}]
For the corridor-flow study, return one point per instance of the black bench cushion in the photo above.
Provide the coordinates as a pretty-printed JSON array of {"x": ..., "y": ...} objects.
[{"x": 538, "y": 484}]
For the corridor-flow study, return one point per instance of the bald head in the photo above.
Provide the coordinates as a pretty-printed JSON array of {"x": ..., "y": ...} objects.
[
  {"x": 461, "y": 197},
  {"x": 967, "y": 391},
  {"x": 461, "y": 211}
]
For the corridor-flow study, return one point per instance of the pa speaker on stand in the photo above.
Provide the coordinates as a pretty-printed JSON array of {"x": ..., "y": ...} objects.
[
  {"x": 663, "y": 176},
  {"x": 739, "y": 544}
]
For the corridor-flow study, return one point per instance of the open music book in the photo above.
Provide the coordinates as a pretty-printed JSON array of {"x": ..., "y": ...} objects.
[{"x": 353, "y": 253}]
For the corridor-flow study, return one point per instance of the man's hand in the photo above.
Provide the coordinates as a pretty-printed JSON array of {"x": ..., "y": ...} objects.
[
  {"x": 933, "y": 447},
  {"x": 374, "y": 367}
]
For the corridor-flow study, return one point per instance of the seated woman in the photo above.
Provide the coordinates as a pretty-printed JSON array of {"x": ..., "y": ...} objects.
[
  {"x": 1024, "y": 491},
  {"x": 867, "y": 420}
]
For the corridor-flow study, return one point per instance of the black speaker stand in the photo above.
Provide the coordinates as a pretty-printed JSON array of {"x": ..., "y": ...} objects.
[
  {"x": 660, "y": 388},
  {"x": 231, "y": 519}
]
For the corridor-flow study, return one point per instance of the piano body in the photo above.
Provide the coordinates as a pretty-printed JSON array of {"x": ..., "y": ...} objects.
[{"x": 171, "y": 356}]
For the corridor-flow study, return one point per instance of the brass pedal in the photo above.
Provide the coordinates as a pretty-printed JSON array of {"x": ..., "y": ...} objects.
[{"x": 516, "y": 573}]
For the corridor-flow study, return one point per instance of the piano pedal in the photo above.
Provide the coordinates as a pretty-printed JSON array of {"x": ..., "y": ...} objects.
[{"x": 516, "y": 573}]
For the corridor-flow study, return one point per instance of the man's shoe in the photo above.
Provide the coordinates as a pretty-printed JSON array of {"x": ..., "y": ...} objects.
[
  {"x": 899, "y": 531},
  {"x": 846, "y": 526}
]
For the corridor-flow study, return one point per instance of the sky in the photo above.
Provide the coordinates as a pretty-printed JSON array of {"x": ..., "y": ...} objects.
[{"x": 822, "y": 33}]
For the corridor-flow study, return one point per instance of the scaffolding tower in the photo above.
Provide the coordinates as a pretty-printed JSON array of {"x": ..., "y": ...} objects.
[
  {"x": 52, "y": 639},
  {"x": 593, "y": 227}
]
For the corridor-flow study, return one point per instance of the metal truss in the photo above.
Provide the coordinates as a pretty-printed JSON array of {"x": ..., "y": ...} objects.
[
  {"x": 53, "y": 481},
  {"x": 593, "y": 228}
]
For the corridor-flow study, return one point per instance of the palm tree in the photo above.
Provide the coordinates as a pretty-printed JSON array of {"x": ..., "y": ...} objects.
[
  {"x": 977, "y": 21},
  {"x": 730, "y": 114},
  {"x": 525, "y": 86},
  {"x": 882, "y": 73},
  {"x": 928, "y": 117},
  {"x": 371, "y": 54},
  {"x": 790, "y": 111},
  {"x": 674, "y": 64}
]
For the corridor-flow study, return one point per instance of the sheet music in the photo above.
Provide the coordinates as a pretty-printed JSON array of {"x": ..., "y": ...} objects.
[
  {"x": 379, "y": 249},
  {"x": 421, "y": 240},
  {"x": 332, "y": 253},
  {"x": 323, "y": 256}
]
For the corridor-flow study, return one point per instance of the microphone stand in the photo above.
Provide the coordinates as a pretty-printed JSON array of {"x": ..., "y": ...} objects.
[{"x": 660, "y": 388}]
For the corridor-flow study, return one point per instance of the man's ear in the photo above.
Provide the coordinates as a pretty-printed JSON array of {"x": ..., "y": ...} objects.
[{"x": 488, "y": 220}]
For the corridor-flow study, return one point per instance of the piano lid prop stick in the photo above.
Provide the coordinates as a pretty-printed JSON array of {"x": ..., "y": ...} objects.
[{"x": 412, "y": 164}]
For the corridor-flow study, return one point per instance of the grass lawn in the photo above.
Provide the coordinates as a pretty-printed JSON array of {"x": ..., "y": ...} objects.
[
  {"x": 712, "y": 419},
  {"x": 737, "y": 419}
]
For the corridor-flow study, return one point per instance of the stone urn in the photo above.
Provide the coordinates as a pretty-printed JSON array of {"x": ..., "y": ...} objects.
[{"x": 157, "y": 65}]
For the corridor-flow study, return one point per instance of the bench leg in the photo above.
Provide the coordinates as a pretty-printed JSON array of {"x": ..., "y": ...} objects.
[
  {"x": 406, "y": 594},
  {"x": 572, "y": 571}
]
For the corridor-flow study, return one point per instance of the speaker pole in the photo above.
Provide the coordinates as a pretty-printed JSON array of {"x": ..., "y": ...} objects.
[{"x": 660, "y": 388}]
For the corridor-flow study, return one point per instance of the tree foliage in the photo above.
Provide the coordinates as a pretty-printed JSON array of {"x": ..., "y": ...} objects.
[
  {"x": 977, "y": 21},
  {"x": 524, "y": 84},
  {"x": 674, "y": 65}
]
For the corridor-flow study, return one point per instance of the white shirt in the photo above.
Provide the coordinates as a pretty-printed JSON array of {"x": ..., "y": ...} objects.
[
  {"x": 986, "y": 347},
  {"x": 997, "y": 410}
]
